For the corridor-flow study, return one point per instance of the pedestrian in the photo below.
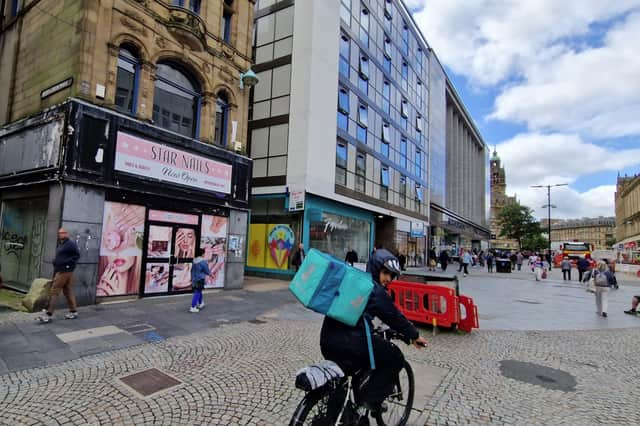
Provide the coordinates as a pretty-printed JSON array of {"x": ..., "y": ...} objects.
[
  {"x": 513, "y": 258},
  {"x": 549, "y": 259},
  {"x": 635, "y": 301},
  {"x": 432, "y": 259},
  {"x": 519, "y": 260},
  {"x": 352, "y": 257},
  {"x": 602, "y": 283},
  {"x": 199, "y": 273},
  {"x": 538, "y": 267},
  {"x": 489, "y": 261},
  {"x": 583, "y": 265},
  {"x": 298, "y": 257},
  {"x": 67, "y": 255},
  {"x": 565, "y": 265},
  {"x": 402, "y": 261},
  {"x": 465, "y": 260},
  {"x": 444, "y": 260}
]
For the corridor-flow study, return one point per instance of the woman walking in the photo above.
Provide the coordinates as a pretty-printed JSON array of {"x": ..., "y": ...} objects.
[{"x": 602, "y": 283}]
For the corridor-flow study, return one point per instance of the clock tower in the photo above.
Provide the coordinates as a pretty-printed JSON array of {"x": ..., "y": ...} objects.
[{"x": 499, "y": 199}]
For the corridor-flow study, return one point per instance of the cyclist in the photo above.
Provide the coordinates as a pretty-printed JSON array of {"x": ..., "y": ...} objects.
[{"x": 347, "y": 346}]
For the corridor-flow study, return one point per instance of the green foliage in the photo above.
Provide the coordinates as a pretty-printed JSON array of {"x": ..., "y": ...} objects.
[
  {"x": 535, "y": 242},
  {"x": 516, "y": 222},
  {"x": 611, "y": 241}
]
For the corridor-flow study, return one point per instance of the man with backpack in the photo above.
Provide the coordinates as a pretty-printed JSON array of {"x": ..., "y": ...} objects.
[{"x": 347, "y": 346}]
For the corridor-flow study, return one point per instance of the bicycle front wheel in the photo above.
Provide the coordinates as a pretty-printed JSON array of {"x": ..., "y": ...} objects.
[
  {"x": 320, "y": 407},
  {"x": 400, "y": 402}
]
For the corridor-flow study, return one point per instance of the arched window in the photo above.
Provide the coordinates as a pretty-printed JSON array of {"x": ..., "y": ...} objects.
[
  {"x": 127, "y": 79},
  {"x": 222, "y": 119},
  {"x": 227, "y": 13},
  {"x": 176, "y": 100}
]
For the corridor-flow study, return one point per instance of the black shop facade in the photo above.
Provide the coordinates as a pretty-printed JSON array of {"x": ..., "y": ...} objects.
[{"x": 138, "y": 200}]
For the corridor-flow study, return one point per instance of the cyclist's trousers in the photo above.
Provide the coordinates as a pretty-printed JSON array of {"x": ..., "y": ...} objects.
[{"x": 388, "y": 359}]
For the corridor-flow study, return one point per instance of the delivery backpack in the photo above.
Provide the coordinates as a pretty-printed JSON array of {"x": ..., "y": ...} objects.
[{"x": 331, "y": 287}]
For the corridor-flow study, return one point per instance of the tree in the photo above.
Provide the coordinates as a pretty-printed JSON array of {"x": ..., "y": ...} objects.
[
  {"x": 535, "y": 242},
  {"x": 610, "y": 241},
  {"x": 517, "y": 222}
]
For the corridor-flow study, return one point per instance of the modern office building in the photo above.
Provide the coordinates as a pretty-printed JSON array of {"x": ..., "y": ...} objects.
[
  {"x": 628, "y": 217},
  {"x": 120, "y": 121},
  {"x": 350, "y": 106}
]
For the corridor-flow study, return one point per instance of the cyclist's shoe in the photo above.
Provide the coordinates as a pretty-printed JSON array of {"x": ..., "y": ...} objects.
[{"x": 376, "y": 408}]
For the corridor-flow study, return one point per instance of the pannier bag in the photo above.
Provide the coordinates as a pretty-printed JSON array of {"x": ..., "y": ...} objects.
[
  {"x": 317, "y": 375},
  {"x": 331, "y": 287}
]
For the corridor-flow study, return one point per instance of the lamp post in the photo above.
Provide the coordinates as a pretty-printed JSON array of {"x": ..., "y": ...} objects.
[{"x": 548, "y": 206}]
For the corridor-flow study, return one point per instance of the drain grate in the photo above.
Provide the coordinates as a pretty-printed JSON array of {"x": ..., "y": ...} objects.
[
  {"x": 535, "y": 374},
  {"x": 149, "y": 382}
]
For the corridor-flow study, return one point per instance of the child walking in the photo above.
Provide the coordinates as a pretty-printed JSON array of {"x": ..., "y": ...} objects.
[{"x": 199, "y": 272}]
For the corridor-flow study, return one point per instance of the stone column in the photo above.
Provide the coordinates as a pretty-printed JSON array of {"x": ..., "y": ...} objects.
[{"x": 146, "y": 85}]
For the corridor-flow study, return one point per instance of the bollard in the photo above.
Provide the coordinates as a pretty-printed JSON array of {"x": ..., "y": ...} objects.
[{"x": 434, "y": 322}]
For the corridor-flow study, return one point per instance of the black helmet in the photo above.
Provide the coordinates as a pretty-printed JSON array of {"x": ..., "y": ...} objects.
[{"x": 383, "y": 259}]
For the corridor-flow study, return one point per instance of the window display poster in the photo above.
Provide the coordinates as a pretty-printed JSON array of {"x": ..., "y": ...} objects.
[
  {"x": 213, "y": 240},
  {"x": 156, "y": 278},
  {"x": 181, "y": 277},
  {"x": 257, "y": 246},
  {"x": 120, "y": 249}
]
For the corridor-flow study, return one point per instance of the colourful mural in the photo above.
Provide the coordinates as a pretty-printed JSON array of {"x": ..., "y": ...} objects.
[{"x": 270, "y": 246}]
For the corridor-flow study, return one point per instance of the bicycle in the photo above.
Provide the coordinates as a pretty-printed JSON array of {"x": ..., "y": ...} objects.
[{"x": 339, "y": 400}]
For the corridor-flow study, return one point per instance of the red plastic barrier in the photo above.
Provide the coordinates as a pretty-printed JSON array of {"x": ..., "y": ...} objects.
[
  {"x": 470, "y": 320},
  {"x": 423, "y": 303}
]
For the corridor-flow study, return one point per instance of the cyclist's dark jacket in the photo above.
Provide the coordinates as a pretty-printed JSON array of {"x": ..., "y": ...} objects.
[{"x": 337, "y": 335}]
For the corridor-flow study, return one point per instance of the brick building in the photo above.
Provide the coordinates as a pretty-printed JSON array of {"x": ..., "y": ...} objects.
[
  {"x": 118, "y": 106},
  {"x": 597, "y": 231}
]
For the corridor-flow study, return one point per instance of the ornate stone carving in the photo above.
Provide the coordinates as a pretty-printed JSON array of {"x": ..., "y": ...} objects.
[
  {"x": 226, "y": 74},
  {"x": 161, "y": 42},
  {"x": 133, "y": 26}
]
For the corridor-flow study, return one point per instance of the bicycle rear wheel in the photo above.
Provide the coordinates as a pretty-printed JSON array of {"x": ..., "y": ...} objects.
[
  {"x": 320, "y": 407},
  {"x": 400, "y": 402}
]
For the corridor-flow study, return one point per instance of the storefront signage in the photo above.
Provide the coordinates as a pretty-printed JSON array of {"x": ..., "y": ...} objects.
[
  {"x": 296, "y": 201},
  {"x": 173, "y": 217},
  {"x": 31, "y": 148},
  {"x": 144, "y": 158},
  {"x": 56, "y": 88},
  {"x": 417, "y": 229},
  {"x": 280, "y": 242}
]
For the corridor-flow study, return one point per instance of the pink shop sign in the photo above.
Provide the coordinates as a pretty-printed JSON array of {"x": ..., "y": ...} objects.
[{"x": 144, "y": 158}]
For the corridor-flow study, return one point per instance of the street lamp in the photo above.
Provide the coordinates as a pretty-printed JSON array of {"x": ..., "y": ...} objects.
[{"x": 548, "y": 206}]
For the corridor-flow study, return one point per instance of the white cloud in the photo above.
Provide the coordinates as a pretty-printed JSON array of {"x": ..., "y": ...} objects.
[{"x": 539, "y": 159}]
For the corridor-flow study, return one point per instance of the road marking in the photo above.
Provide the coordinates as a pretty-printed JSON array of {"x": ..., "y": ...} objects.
[{"x": 74, "y": 336}]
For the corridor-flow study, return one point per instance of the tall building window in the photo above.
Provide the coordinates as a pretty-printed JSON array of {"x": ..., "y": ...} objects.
[
  {"x": 194, "y": 5},
  {"x": 363, "y": 81},
  {"x": 227, "y": 14},
  {"x": 405, "y": 39},
  {"x": 364, "y": 27},
  {"x": 176, "y": 100},
  {"x": 419, "y": 95},
  {"x": 345, "y": 48},
  {"x": 386, "y": 96},
  {"x": 403, "y": 153},
  {"x": 15, "y": 7},
  {"x": 388, "y": 15},
  {"x": 419, "y": 123},
  {"x": 404, "y": 114},
  {"x": 386, "y": 139},
  {"x": 222, "y": 119},
  {"x": 361, "y": 172},
  {"x": 363, "y": 123},
  {"x": 403, "y": 191},
  {"x": 419, "y": 196},
  {"x": 405, "y": 75},
  {"x": 341, "y": 163},
  {"x": 345, "y": 11},
  {"x": 343, "y": 109},
  {"x": 179, "y": 3},
  {"x": 386, "y": 61},
  {"x": 127, "y": 80},
  {"x": 419, "y": 61},
  {"x": 384, "y": 183},
  {"x": 418, "y": 163}
]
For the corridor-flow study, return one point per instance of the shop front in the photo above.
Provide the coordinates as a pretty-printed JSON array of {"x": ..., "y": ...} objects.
[{"x": 139, "y": 202}]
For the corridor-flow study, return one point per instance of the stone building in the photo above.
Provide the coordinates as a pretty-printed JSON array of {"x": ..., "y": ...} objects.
[
  {"x": 499, "y": 199},
  {"x": 597, "y": 231},
  {"x": 628, "y": 217},
  {"x": 125, "y": 107}
]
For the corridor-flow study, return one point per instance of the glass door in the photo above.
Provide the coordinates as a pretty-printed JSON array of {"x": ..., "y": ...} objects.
[{"x": 170, "y": 250}]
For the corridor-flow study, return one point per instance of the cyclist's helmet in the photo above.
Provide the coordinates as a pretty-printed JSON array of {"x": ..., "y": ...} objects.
[{"x": 383, "y": 259}]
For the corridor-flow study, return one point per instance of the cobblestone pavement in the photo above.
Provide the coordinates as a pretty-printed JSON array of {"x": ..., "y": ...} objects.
[{"x": 242, "y": 374}]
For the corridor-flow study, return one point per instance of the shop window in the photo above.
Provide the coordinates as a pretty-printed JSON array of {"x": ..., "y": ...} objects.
[
  {"x": 341, "y": 163},
  {"x": 361, "y": 172},
  {"x": 94, "y": 140},
  {"x": 22, "y": 238},
  {"x": 364, "y": 27},
  {"x": 227, "y": 14},
  {"x": 333, "y": 233},
  {"x": 127, "y": 80},
  {"x": 222, "y": 119},
  {"x": 176, "y": 101}
]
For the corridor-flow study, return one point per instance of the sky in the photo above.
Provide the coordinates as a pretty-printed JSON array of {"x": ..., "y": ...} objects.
[{"x": 553, "y": 85}]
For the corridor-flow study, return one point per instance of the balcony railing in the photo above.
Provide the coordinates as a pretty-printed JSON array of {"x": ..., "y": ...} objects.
[{"x": 188, "y": 27}]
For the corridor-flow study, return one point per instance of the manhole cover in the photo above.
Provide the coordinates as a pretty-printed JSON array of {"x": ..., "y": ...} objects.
[
  {"x": 540, "y": 375},
  {"x": 149, "y": 382},
  {"x": 531, "y": 302}
]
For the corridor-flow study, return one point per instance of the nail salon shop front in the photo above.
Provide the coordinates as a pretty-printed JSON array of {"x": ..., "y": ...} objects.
[{"x": 139, "y": 201}]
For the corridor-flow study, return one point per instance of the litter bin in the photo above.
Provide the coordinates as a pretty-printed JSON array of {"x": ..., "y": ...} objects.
[
  {"x": 503, "y": 265},
  {"x": 444, "y": 280}
]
